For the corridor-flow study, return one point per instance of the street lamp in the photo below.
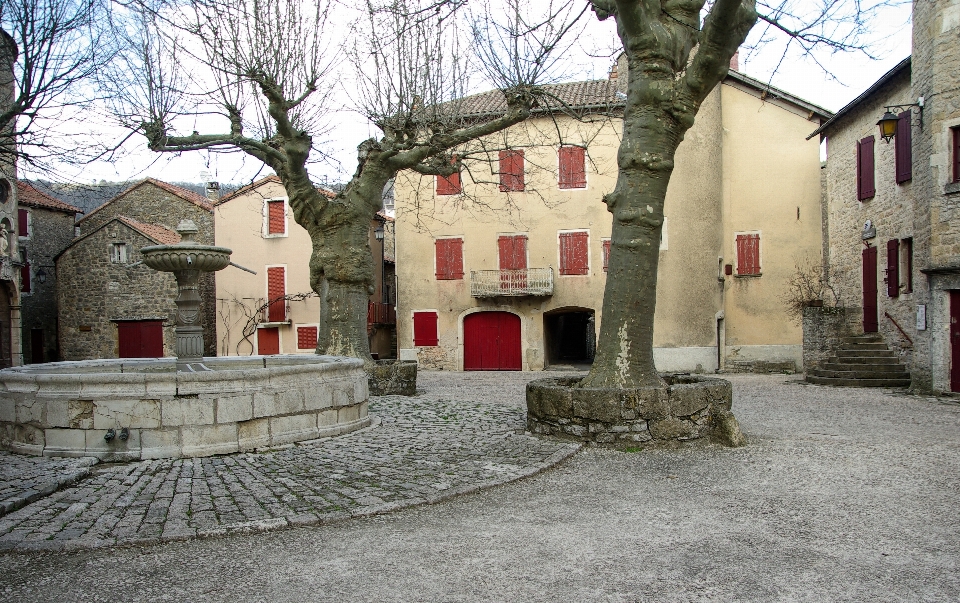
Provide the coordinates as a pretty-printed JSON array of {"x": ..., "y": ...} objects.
[
  {"x": 888, "y": 123},
  {"x": 42, "y": 275},
  {"x": 378, "y": 233}
]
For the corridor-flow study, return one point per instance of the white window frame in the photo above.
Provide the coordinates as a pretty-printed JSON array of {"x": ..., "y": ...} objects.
[
  {"x": 265, "y": 227},
  {"x": 123, "y": 250},
  {"x": 736, "y": 256},
  {"x": 266, "y": 290},
  {"x": 296, "y": 334},
  {"x": 560, "y": 257}
]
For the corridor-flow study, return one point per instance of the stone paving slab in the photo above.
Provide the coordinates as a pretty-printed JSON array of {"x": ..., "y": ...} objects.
[
  {"x": 425, "y": 449},
  {"x": 25, "y": 479}
]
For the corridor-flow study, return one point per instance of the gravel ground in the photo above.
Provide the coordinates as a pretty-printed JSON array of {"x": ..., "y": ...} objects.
[{"x": 841, "y": 495}]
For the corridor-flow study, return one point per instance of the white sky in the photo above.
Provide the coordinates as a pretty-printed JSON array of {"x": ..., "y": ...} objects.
[{"x": 853, "y": 74}]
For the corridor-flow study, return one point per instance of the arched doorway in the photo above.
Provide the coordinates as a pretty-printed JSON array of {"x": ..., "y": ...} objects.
[
  {"x": 491, "y": 342},
  {"x": 569, "y": 336}
]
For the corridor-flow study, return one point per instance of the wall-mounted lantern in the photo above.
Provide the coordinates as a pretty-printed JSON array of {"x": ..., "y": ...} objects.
[{"x": 888, "y": 123}]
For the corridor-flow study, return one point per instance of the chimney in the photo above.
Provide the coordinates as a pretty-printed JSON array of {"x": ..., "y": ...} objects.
[
  {"x": 213, "y": 191},
  {"x": 735, "y": 61}
]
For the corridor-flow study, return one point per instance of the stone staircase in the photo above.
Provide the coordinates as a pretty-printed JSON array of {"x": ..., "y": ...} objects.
[{"x": 862, "y": 361}]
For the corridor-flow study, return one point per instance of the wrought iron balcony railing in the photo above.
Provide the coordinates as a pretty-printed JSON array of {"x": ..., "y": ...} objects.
[{"x": 515, "y": 283}]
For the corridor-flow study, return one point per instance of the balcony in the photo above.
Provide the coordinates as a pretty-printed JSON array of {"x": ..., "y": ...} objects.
[
  {"x": 511, "y": 283},
  {"x": 381, "y": 314}
]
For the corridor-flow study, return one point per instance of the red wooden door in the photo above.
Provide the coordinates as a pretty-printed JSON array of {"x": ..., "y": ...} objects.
[
  {"x": 955, "y": 341},
  {"x": 870, "y": 322},
  {"x": 268, "y": 341},
  {"x": 491, "y": 342},
  {"x": 140, "y": 338}
]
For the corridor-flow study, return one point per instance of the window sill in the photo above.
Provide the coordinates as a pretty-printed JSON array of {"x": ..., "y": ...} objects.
[
  {"x": 757, "y": 275},
  {"x": 270, "y": 325},
  {"x": 276, "y": 236},
  {"x": 951, "y": 188}
]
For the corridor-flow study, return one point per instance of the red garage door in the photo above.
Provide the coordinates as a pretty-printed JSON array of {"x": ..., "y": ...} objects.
[
  {"x": 140, "y": 338},
  {"x": 491, "y": 342}
]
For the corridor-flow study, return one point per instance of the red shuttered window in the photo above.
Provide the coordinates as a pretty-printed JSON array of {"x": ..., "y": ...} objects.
[
  {"x": 511, "y": 171},
  {"x": 449, "y": 257},
  {"x": 866, "y": 188},
  {"x": 606, "y": 255},
  {"x": 424, "y": 328},
  {"x": 903, "y": 146},
  {"x": 513, "y": 252},
  {"x": 450, "y": 185},
  {"x": 306, "y": 338},
  {"x": 893, "y": 268},
  {"x": 573, "y": 172},
  {"x": 276, "y": 290},
  {"x": 276, "y": 218},
  {"x": 574, "y": 253},
  {"x": 748, "y": 254},
  {"x": 23, "y": 223}
]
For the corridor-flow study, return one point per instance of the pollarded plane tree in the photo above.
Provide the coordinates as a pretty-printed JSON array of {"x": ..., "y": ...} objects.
[{"x": 270, "y": 67}]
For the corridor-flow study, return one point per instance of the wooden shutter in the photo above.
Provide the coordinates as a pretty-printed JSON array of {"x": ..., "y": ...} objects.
[
  {"x": 306, "y": 338},
  {"x": 907, "y": 245},
  {"x": 513, "y": 252},
  {"x": 903, "y": 146},
  {"x": 25, "y": 278},
  {"x": 450, "y": 185},
  {"x": 893, "y": 268},
  {"x": 268, "y": 341},
  {"x": 606, "y": 255},
  {"x": 511, "y": 171},
  {"x": 866, "y": 187},
  {"x": 276, "y": 220},
  {"x": 956, "y": 153},
  {"x": 574, "y": 258},
  {"x": 276, "y": 290},
  {"x": 23, "y": 223},
  {"x": 425, "y": 328},
  {"x": 748, "y": 254},
  {"x": 449, "y": 258},
  {"x": 573, "y": 173}
]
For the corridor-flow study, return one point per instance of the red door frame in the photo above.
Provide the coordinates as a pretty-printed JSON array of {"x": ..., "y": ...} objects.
[
  {"x": 955, "y": 341},
  {"x": 491, "y": 342},
  {"x": 871, "y": 322}
]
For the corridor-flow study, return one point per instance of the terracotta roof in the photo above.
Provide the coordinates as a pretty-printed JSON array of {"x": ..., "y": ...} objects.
[
  {"x": 160, "y": 234},
  {"x": 30, "y": 196},
  {"x": 576, "y": 95},
  {"x": 271, "y": 178},
  {"x": 192, "y": 197}
]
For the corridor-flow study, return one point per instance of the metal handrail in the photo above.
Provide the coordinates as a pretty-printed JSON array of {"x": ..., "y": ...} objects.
[{"x": 511, "y": 283}]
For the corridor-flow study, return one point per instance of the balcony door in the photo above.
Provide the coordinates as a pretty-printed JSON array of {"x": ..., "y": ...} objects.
[
  {"x": 513, "y": 257},
  {"x": 491, "y": 342}
]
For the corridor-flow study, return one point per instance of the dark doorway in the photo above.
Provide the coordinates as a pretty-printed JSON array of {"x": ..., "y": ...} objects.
[
  {"x": 955, "y": 341},
  {"x": 870, "y": 322},
  {"x": 569, "y": 336},
  {"x": 140, "y": 338},
  {"x": 36, "y": 346},
  {"x": 491, "y": 342}
]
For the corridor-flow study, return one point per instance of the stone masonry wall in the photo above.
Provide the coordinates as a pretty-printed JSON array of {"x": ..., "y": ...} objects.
[
  {"x": 823, "y": 330},
  {"x": 52, "y": 232}
]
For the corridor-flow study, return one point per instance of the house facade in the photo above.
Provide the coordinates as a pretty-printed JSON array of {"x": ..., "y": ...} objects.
[
  {"x": 10, "y": 329},
  {"x": 893, "y": 218},
  {"x": 275, "y": 311},
  {"x": 46, "y": 225},
  {"x": 503, "y": 266},
  {"x": 112, "y": 306}
]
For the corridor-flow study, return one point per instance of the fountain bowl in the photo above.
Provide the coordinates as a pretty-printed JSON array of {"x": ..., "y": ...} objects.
[{"x": 186, "y": 256}]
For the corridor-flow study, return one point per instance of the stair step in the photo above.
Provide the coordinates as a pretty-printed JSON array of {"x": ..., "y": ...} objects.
[
  {"x": 866, "y": 338},
  {"x": 893, "y": 367},
  {"x": 855, "y": 374},
  {"x": 881, "y": 361},
  {"x": 866, "y": 354},
  {"x": 865, "y": 346},
  {"x": 846, "y": 382}
]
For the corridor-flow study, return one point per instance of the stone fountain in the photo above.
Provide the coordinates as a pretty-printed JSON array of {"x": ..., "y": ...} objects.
[{"x": 145, "y": 408}]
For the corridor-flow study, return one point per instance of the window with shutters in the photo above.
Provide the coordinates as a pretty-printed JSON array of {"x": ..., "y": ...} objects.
[
  {"x": 866, "y": 188},
  {"x": 449, "y": 258},
  {"x": 276, "y": 292},
  {"x": 575, "y": 253},
  {"x": 606, "y": 253},
  {"x": 748, "y": 254},
  {"x": 903, "y": 147},
  {"x": 955, "y": 152},
  {"x": 450, "y": 185},
  {"x": 268, "y": 341},
  {"x": 24, "y": 223},
  {"x": 306, "y": 337},
  {"x": 274, "y": 218},
  {"x": 425, "y": 328},
  {"x": 512, "y": 252},
  {"x": 119, "y": 253},
  {"x": 893, "y": 268},
  {"x": 906, "y": 264},
  {"x": 573, "y": 171},
  {"x": 511, "y": 171}
]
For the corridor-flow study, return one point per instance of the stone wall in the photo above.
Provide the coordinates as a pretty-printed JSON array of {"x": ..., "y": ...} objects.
[
  {"x": 52, "y": 232},
  {"x": 823, "y": 330}
]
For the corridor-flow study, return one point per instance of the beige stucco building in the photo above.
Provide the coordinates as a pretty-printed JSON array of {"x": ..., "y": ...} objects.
[
  {"x": 275, "y": 311},
  {"x": 506, "y": 268}
]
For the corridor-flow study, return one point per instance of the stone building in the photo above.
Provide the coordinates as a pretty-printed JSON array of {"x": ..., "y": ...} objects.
[
  {"x": 503, "y": 266},
  {"x": 10, "y": 331},
  {"x": 46, "y": 226},
  {"x": 109, "y": 305},
  {"x": 893, "y": 218},
  {"x": 275, "y": 311}
]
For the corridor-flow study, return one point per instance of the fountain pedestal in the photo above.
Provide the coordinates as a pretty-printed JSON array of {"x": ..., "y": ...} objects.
[{"x": 189, "y": 331}]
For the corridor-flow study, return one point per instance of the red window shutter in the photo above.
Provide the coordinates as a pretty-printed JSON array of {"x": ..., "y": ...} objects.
[
  {"x": 956, "y": 153},
  {"x": 451, "y": 184},
  {"x": 903, "y": 146},
  {"x": 606, "y": 255},
  {"x": 511, "y": 171},
  {"x": 25, "y": 278},
  {"x": 449, "y": 257},
  {"x": 893, "y": 268},
  {"x": 268, "y": 341},
  {"x": 306, "y": 338},
  {"x": 573, "y": 173},
  {"x": 748, "y": 254},
  {"x": 23, "y": 222},
  {"x": 425, "y": 328},
  {"x": 276, "y": 220},
  {"x": 574, "y": 258},
  {"x": 866, "y": 187},
  {"x": 513, "y": 252},
  {"x": 907, "y": 245},
  {"x": 276, "y": 290}
]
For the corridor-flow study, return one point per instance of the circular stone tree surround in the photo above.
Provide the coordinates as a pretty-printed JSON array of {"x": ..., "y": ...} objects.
[{"x": 689, "y": 407}]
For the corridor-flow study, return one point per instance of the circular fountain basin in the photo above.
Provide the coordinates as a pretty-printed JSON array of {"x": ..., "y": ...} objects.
[
  {"x": 245, "y": 403},
  {"x": 186, "y": 256}
]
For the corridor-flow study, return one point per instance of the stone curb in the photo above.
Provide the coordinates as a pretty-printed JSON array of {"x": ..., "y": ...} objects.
[
  {"x": 278, "y": 523},
  {"x": 18, "y": 502}
]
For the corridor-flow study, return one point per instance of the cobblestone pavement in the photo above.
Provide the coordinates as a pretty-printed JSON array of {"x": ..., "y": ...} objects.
[
  {"x": 444, "y": 442},
  {"x": 24, "y": 479}
]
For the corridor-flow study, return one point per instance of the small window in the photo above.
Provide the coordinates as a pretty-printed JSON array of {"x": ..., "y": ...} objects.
[
  {"x": 276, "y": 293},
  {"x": 306, "y": 337},
  {"x": 606, "y": 254},
  {"x": 955, "y": 152},
  {"x": 275, "y": 218},
  {"x": 511, "y": 171},
  {"x": 903, "y": 147},
  {"x": 24, "y": 223},
  {"x": 451, "y": 184},
  {"x": 575, "y": 253},
  {"x": 906, "y": 264},
  {"x": 748, "y": 254},
  {"x": 893, "y": 268},
  {"x": 449, "y": 259},
  {"x": 573, "y": 172},
  {"x": 425, "y": 329},
  {"x": 866, "y": 187},
  {"x": 268, "y": 341},
  {"x": 119, "y": 253}
]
